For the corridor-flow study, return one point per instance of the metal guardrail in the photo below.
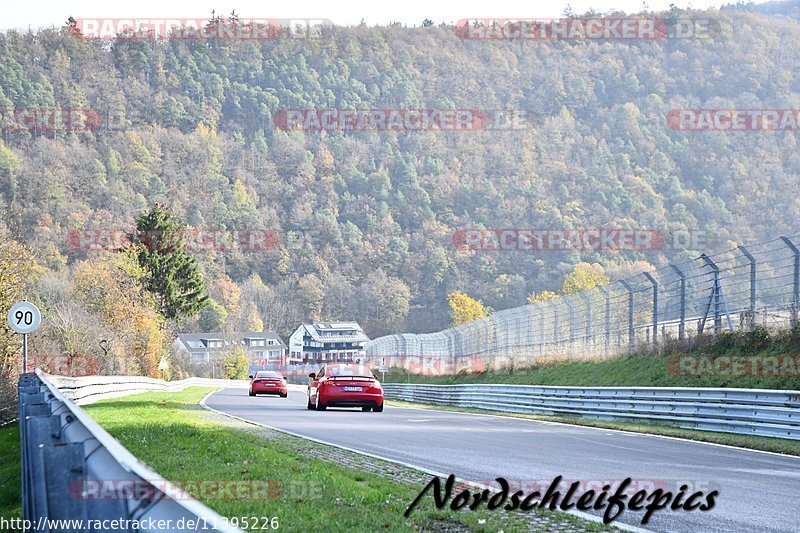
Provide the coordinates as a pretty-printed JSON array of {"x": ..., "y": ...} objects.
[
  {"x": 88, "y": 389},
  {"x": 741, "y": 411},
  {"x": 64, "y": 451}
]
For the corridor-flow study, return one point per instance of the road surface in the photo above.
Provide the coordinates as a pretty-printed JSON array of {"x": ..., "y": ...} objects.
[{"x": 758, "y": 491}]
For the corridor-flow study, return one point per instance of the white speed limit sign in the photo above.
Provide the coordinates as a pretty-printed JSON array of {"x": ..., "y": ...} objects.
[{"x": 24, "y": 317}]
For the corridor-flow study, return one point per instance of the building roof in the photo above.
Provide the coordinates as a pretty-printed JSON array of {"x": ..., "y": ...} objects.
[
  {"x": 184, "y": 338},
  {"x": 335, "y": 332}
]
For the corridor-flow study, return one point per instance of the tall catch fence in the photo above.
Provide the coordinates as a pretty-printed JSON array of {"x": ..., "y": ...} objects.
[{"x": 737, "y": 290}]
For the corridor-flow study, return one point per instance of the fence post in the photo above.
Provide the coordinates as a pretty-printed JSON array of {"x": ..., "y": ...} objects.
[
  {"x": 607, "y": 329},
  {"x": 682, "y": 323},
  {"x": 752, "y": 325},
  {"x": 714, "y": 297},
  {"x": 540, "y": 308},
  {"x": 555, "y": 324},
  {"x": 655, "y": 305},
  {"x": 571, "y": 318},
  {"x": 796, "y": 284},
  {"x": 588, "y": 329},
  {"x": 631, "y": 337}
]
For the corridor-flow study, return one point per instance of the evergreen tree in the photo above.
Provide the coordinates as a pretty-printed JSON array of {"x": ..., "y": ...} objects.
[{"x": 171, "y": 274}]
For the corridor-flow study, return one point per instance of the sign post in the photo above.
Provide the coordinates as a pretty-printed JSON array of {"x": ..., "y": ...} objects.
[
  {"x": 382, "y": 369},
  {"x": 24, "y": 318}
]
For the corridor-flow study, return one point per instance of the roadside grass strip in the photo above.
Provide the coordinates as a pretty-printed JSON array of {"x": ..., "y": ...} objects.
[
  {"x": 629, "y": 371},
  {"x": 10, "y": 473}
]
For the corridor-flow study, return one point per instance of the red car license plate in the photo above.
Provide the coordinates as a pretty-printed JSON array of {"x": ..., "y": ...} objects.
[{"x": 353, "y": 389}]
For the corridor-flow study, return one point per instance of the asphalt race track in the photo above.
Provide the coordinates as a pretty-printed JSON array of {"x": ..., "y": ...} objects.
[{"x": 758, "y": 491}]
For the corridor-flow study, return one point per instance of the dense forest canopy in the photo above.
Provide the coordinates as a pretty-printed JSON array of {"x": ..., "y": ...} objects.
[{"x": 366, "y": 219}]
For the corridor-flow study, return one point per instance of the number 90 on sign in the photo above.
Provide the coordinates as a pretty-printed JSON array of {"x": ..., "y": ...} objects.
[{"x": 24, "y": 317}]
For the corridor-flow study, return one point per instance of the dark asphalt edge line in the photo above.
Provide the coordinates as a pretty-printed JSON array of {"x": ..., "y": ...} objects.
[
  {"x": 597, "y": 428},
  {"x": 578, "y": 514}
]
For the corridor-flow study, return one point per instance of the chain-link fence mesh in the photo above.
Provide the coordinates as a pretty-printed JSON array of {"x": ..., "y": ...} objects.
[{"x": 738, "y": 290}]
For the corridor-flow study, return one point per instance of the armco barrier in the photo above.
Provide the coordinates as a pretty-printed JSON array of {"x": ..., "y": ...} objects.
[
  {"x": 63, "y": 450},
  {"x": 741, "y": 411},
  {"x": 89, "y": 389}
]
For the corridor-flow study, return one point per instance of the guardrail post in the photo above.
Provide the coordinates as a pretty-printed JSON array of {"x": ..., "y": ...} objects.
[
  {"x": 607, "y": 328},
  {"x": 715, "y": 290},
  {"x": 655, "y": 305},
  {"x": 682, "y": 323},
  {"x": 752, "y": 322},
  {"x": 31, "y": 404},
  {"x": 631, "y": 336},
  {"x": 796, "y": 278}
]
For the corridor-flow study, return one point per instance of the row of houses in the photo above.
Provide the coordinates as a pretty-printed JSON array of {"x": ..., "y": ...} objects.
[{"x": 309, "y": 344}]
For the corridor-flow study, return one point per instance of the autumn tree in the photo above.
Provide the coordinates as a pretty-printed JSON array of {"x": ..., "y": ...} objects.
[
  {"x": 539, "y": 297},
  {"x": 18, "y": 271},
  {"x": 464, "y": 308},
  {"x": 584, "y": 276},
  {"x": 252, "y": 319},
  {"x": 112, "y": 287},
  {"x": 384, "y": 302},
  {"x": 228, "y": 295},
  {"x": 235, "y": 364},
  {"x": 9, "y": 165},
  {"x": 311, "y": 293}
]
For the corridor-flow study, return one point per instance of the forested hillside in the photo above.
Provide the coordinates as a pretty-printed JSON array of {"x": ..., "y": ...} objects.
[{"x": 366, "y": 219}]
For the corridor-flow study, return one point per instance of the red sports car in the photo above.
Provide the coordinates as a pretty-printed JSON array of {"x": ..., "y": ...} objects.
[
  {"x": 344, "y": 385},
  {"x": 268, "y": 382}
]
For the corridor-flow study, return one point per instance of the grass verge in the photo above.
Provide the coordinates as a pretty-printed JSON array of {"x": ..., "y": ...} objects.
[
  {"x": 769, "y": 444},
  {"x": 10, "y": 473},
  {"x": 174, "y": 435},
  {"x": 758, "y": 359},
  {"x": 628, "y": 371}
]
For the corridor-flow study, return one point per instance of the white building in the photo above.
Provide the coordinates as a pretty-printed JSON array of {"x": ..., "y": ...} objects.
[{"x": 326, "y": 342}]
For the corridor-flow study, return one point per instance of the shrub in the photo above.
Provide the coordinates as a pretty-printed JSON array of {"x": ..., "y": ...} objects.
[
  {"x": 756, "y": 340},
  {"x": 236, "y": 364}
]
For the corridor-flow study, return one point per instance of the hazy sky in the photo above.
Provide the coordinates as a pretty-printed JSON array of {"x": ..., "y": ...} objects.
[{"x": 36, "y": 13}]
